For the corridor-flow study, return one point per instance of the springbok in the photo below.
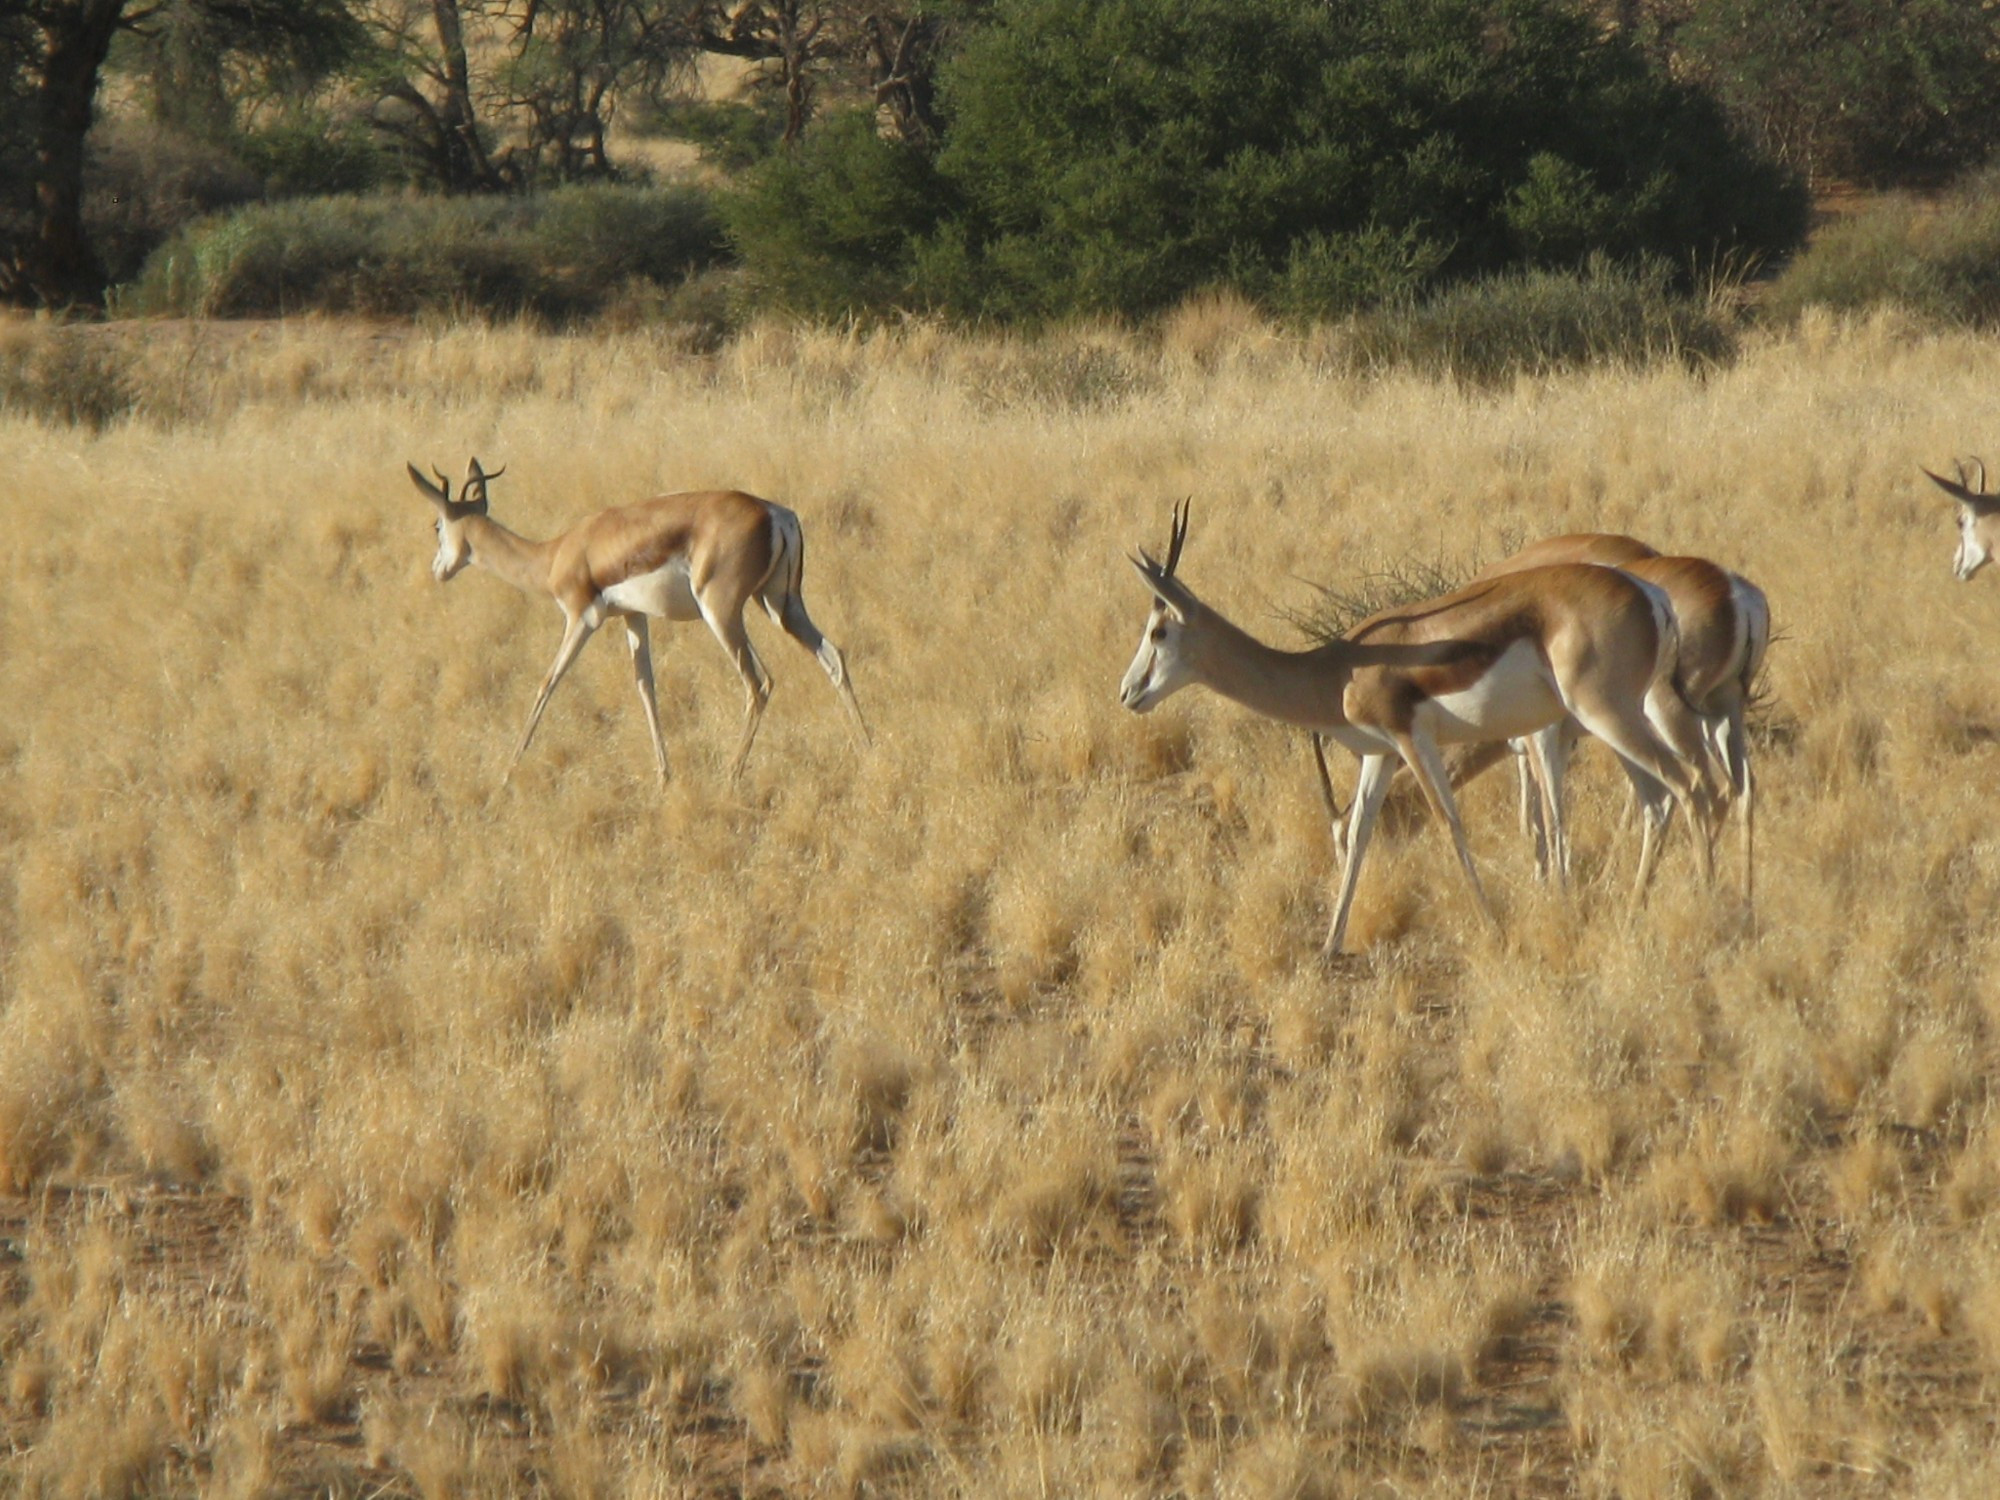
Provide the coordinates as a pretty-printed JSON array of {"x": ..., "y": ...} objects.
[
  {"x": 696, "y": 556},
  {"x": 1503, "y": 659},
  {"x": 1724, "y": 624},
  {"x": 1978, "y": 517}
]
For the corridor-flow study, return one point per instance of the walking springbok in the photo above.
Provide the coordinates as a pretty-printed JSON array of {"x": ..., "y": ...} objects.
[
  {"x": 697, "y": 556},
  {"x": 1497, "y": 660},
  {"x": 1978, "y": 517},
  {"x": 1724, "y": 624}
]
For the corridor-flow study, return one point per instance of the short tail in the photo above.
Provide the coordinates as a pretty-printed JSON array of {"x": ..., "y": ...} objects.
[{"x": 788, "y": 564}]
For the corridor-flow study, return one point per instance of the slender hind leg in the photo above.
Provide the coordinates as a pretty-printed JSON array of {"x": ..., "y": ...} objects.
[
  {"x": 575, "y": 634},
  {"x": 790, "y": 613},
  {"x": 1743, "y": 784},
  {"x": 1548, "y": 754},
  {"x": 1681, "y": 728},
  {"x": 1658, "y": 776},
  {"x": 638, "y": 637},
  {"x": 1533, "y": 824}
]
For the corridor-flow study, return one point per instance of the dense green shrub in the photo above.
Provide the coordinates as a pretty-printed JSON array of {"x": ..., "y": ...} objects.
[
  {"x": 1113, "y": 158},
  {"x": 308, "y": 154},
  {"x": 557, "y": 255},
  {"x": 1871, "y": 91},
  {"x": 733, "y": 134},
  {"x": 835, "y": 226},
  {"x": 145, "y": 181},
  {"x": 1940, "y": 260},
  {"x": 1536, "y": 322}
]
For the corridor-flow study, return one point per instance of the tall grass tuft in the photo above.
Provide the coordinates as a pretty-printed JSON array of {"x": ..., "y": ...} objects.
[
  {"x": 65, "y": 376},
  {"x": 1937, "y": 259},
  {"x": 1541, "y": 323}
]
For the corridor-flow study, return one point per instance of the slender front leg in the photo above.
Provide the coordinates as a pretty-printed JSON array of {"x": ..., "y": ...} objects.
[
  {"x": 1326, "y": 795},
  {"x": 1420, "y": 753},
  {"x": 1369, "y": 793},
  {"x": 574, "y": 635},
  {"x": 638, "y": 636}
]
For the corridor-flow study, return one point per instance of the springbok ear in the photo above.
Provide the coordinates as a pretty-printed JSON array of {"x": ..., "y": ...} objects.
[{"x": 440, "y": 497}]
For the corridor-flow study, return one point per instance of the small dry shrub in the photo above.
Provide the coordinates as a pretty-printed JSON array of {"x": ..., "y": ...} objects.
[{"x": 65, "y": 376}]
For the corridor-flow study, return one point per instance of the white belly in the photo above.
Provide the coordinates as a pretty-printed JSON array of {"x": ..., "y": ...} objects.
[
  {"x": 664, "y": 593},
  {"x": 1515, "y": 697}
]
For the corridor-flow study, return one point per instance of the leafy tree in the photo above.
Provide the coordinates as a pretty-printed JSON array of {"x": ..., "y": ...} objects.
[
  {"x": 571, "y": 62},
  {"x": 834, "y": 225},
  {"x": 422, "y": 80},
  {"x": 1114, "y": 157},
  {"x": 1875, "y": 91},
  {"x": 58, "y": 50}
]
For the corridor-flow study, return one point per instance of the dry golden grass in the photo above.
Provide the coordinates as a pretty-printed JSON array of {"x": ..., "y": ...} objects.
[{"x": 967, "y": 1116}]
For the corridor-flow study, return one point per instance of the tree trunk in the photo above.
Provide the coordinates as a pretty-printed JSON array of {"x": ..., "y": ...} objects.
[
  {"x": 57, "y": 266},
  {"x": 465, "y": 163}
]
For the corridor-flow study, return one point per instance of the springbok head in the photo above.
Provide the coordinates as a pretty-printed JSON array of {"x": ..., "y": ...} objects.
[
  {"x": 1162, "y": 665},
  {"x": 1978, "y": 516},
  {"x": 454, "y": 548}
]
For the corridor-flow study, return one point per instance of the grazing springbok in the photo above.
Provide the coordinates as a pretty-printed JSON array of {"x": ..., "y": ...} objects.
[
  {"x": 697, "y": 556},
  {"x": 1724, "y": 624},
  {"x": 1503, "y": 659},
  {"x": 1978, "y": 517}
]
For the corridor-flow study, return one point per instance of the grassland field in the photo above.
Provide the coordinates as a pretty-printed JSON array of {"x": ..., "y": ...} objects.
[{"x": 969, "y": 1115}]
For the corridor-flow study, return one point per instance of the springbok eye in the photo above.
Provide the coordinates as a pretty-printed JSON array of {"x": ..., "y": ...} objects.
[{"x": 1159, "y": 632}]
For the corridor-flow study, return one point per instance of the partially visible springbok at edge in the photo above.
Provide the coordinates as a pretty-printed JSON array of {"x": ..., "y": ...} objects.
[
  {"x": 703, "y": 555},
  {"x": 1978, "y": 517}
]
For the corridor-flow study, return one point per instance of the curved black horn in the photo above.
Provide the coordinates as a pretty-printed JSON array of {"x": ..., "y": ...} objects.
[
  {"x": 1179, "y": 536},
  {"x": 476, "y": 476}
]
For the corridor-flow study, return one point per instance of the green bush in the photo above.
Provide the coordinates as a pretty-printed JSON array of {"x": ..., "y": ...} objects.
[
  {"x": 1872, "y": 91},
  {"x": 558, "y": 255},
  {"x": 1329, "y": 275},
  {"x": 732, "y": 134},
  {"x": 1111, "y": 159},
  {"x": 1535, "y": 322},
  {"x": 1940, "y": 260},
  {"x": 308, "y": 154},
  {"x": 833, "y": 227},
  {"x": 144, "y": 181}
]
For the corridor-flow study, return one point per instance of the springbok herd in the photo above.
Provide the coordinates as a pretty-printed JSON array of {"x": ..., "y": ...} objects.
[{"x": 1655, "y": 656}]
